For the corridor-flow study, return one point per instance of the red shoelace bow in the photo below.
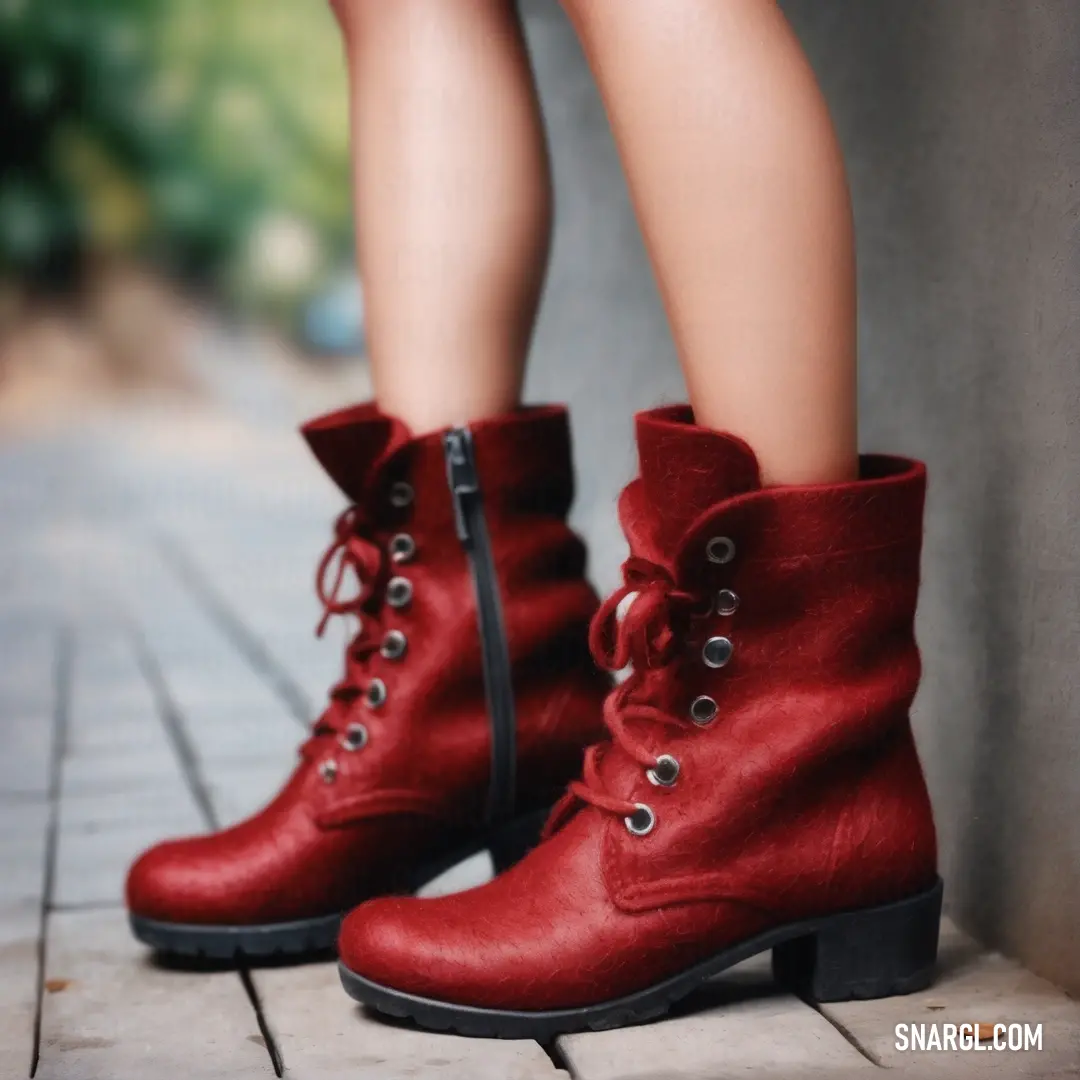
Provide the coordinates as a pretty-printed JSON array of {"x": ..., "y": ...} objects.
[
  {"x": 352, "y": 551},
  {"x": 647, "y": 636}
]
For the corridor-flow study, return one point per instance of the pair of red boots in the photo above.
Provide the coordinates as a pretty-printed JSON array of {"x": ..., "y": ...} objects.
[{"x": 756, "y": 787}]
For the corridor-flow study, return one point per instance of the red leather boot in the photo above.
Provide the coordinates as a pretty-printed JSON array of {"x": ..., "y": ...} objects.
[
  {"x": 760, "y": 788},
  {"x": 467, "y": 699}
]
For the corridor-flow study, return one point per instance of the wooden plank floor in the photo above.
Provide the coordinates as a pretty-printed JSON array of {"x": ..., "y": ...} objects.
[{"x": 156, "y": 619}]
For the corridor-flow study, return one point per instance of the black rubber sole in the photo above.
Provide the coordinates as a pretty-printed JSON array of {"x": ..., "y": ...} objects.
[
  {"x": 304, "y": 937},
  {"x": 870, "y": 953},
  {"x": 308, "y": 937}
]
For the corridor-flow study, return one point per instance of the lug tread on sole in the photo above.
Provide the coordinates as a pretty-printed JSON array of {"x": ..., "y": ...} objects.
[{"x": 475, "y": 1025}]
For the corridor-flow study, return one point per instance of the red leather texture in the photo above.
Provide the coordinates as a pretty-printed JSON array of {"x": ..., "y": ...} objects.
[
  {"x": 803, "y": 796},
  {"x": 418, "y": 785}
]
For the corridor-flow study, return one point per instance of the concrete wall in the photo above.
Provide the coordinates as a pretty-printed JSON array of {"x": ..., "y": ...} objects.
[{"x": 961, "y": 121}]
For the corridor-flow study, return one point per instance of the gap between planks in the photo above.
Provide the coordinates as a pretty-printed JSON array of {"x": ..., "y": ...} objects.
[
  {"x": 176, "y": 729},
  {"x": 846, "y": 1033},
  {"x": 62, "y": 677},
  {"x": 246, "y": 642}
]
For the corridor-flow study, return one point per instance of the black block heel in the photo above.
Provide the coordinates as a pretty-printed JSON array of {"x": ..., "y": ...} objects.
[
  {"x": 872, "y": 953},
  {"x": 511, "y": 842}
]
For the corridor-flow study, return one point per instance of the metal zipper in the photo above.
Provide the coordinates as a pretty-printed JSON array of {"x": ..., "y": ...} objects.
[{"x": 464, "y": 481}]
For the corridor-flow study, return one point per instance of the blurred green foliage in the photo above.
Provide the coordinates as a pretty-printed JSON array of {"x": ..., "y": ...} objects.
[{"x": 208, "y": 135}]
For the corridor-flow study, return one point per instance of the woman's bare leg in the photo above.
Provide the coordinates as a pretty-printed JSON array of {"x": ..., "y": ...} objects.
[
  {"x": 739, "y": 186},
  {"x": 453, "y": 202}
]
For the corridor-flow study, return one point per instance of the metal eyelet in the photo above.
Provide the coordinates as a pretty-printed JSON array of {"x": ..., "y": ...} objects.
[
  {"x": 402, "y": 547},
  {"x": 717, "y": 651},
  {"x": 376, "y": 694},
  {"x": 355, "y": 737},
  {"x": 393, "y": 646},
  {"x": 720, "y": 549},
  {"x": 727, "y": 602},
  {"x": 328, "y": 770},
  {"x": 703, "y": 710},
  {"x": 401, "y": 494},
  {"x": 642, "y": 821},
  {"x": 665, "y": 772},
  {"x": 399, "y": 592}
]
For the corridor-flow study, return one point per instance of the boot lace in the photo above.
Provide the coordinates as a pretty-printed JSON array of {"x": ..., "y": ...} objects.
[
  {"x": 648, "y": 636},
  {"x": 351, "y": 551}
]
